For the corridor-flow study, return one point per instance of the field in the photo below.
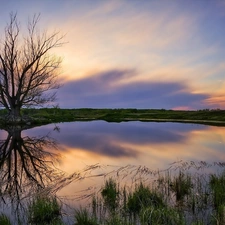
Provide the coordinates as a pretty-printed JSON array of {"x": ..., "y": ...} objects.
[{"x": 55, "y": 115}]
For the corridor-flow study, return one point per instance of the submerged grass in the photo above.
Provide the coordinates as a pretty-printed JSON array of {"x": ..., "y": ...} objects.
[
  {"x": 181, "y": 198},
  {"x": 165, "y": 198}
]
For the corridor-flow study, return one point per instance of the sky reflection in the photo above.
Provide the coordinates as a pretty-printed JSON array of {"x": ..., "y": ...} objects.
[
  {"x": 155, "y": 145},
  {"x": 116, "y": 145}
]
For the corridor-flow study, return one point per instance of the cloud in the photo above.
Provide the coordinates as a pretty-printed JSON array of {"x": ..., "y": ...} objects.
[{"x": 110, "y": 90}]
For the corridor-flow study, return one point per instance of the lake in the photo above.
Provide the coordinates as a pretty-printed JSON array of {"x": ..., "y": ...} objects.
[{"x": 59, "y": 156}]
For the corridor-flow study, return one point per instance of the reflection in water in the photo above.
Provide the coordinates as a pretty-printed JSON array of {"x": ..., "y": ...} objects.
[
  {"x": 26, "y": 167},
  {"x": 154, "y": 145},
  {"x": 27, "y": 163},
  {"x": 24, "y": 162}
]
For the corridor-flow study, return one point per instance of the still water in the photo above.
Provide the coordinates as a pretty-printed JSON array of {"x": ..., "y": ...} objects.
[{"x": 56, "y": 156}]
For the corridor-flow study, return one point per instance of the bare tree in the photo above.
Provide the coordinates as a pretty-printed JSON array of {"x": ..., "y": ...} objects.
[{"x": 28, "y": 69}]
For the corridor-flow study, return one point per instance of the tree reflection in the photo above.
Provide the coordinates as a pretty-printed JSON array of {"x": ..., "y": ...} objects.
[{"x": 26, "y": 164}]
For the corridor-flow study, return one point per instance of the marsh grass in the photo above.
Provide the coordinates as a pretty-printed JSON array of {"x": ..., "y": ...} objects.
[
  {"x": 171, "y": 197},
  {"x": 182, "y": 195},
  {"x": 4, "y": 220},
  {"x": 181, "y": 186},
  {"x": 143, "y": 197},
  {"x": 110, "y": 194},
  {"x": 217, "y": 185},
  {"x": 84, "y": 217},
  {"x": 161, "y": 216},
  {"x": 44, "y": 210}
]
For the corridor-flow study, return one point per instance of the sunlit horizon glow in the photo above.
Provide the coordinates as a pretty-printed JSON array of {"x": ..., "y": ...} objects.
[{"x": 135, "y": 54}]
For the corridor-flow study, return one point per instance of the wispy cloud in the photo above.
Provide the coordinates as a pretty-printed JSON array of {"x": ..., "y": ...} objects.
[{"x": 168, "y": 42}]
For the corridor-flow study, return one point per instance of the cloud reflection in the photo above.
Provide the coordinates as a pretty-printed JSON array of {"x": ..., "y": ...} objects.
[{"x": 120, "y": 140}]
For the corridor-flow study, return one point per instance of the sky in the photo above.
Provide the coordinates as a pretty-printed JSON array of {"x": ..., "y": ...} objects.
[{"x": 166, "y": 54}]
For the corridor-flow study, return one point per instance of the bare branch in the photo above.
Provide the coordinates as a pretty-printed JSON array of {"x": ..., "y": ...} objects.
[{"x": 28, "y": 68}]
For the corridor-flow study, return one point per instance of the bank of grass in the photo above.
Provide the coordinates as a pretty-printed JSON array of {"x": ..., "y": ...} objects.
[
  {"x": 55, "y": 115},
  {"x": 179, "y": 199}
]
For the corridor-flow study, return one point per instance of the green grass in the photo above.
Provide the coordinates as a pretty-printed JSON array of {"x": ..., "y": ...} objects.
[
  {"x": 82, "y": 216},
  {"x": 4, "y": 220},
  {"x": 44, "y": 210},
  {"x": 165, "y": 198},
  {"x": 181, "y": 185},
  {"x": 54, "y": 115},
  {"x": 179, "y": 199}
]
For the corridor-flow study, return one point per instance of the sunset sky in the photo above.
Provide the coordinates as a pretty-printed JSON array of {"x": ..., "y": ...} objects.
[{"x": 134, "y": 53}]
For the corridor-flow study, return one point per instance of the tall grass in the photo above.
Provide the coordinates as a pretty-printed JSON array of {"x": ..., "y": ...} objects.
[
  {"x": 178, "y": 198},
  {"x": 44, "y": 210},
  {"x": 217, "y": 185},
  {"x": 83, "y": 217},
  {"x": 181, "y": 186},
  {"x": 4, "y": 220}
]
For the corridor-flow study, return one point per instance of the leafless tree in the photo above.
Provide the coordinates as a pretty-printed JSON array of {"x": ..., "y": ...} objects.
[
  {"x": 28, "y": 68},
  {"x": 26, "y": 164}
]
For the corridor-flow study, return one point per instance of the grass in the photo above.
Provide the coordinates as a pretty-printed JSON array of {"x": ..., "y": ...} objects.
[
  {"x": 217, "y": 185},
  {"x": 55, "y": 115},
  {"x": 4, "y": 220},
  {"x": 181, "y": 185},
  {"x": 82, "y": 216},
  {"x": 165, "y": 198},
  {"x": 110, "y": 194},
  {"x": 179, "y": 199},
  {"x": 44, "y": 210}
]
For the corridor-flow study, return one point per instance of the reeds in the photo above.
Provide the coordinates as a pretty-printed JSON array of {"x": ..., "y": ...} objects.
[
  {"x": 44, "y": 210},
  {"x": 178, "y": 197},
  {"x": 4, "y": 220}
]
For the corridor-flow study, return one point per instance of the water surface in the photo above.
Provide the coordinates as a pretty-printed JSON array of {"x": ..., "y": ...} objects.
[{"x": 42, "y": 156}]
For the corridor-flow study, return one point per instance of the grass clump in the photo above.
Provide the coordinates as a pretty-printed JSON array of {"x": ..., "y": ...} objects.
[
  {"x": 4, "y": 220},
  {"x": 44, "y": 210},
  {"x": 181, "y": 185},
  {"x": 143, "y": 197},
  {"x": 217, "y": 185},
  {"x": 83, "y": 217},
  {"x": 110, "y": 195},
  {"x": 161, "y": 216}
]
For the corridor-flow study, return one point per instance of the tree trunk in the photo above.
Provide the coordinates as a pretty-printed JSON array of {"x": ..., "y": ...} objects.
[{"x": 14, "y": 115}]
